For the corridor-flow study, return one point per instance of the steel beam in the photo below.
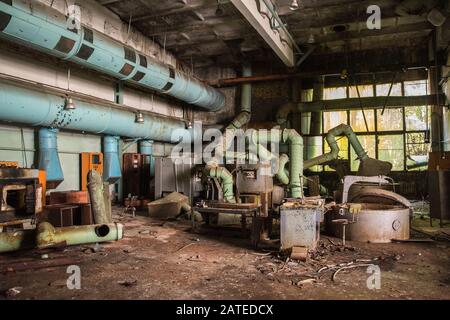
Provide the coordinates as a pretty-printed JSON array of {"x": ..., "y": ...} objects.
[
  {"x": 366, "y": 102},
  {"x": 277, "y": 39}
]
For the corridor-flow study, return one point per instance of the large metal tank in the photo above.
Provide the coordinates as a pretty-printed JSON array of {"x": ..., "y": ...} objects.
[{"x": 376, "y": 223}]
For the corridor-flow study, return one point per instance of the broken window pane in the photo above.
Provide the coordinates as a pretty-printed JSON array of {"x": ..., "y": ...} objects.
[
  {"x": 332, "y": 119},
  {"x": 391, "y": 120},
  {"x": 415, "y": 88},
  {"x": 334, "y": 93},
  {"x": 416, "y": 118},
  {"x": 417, "y": 150},
  {"x": 357, "y": 120},
  {"x": 364, "y": 91},
  {"x": 383, "y": 89},
  {"x": 390, "y": 148},
  {"x": 368, "y": 143}
]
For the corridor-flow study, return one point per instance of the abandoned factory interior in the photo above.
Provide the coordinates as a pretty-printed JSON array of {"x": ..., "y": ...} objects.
[{"x": 224, "y": 150}]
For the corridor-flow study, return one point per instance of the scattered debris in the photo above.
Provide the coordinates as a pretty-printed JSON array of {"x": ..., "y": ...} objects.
[
  {"x": 38, "y": 264},
  {"x": 299, "y": 253},
  {"x": 333, "y": 277},
  {"x": 12, "y": 292},
  {"x": 306, "y": 281},
  {"x": 93, "y": 249},
  {"x": 263, "y": 254},
  {"x": 128, "y": 283},
  {"x": 413, "y": 240},
  {"x": 185, "y": 246},
  {"x": 331, "y": 241}
]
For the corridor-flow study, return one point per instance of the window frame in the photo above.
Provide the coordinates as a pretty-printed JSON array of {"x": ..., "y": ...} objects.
[{"x": 376, "y": 133}]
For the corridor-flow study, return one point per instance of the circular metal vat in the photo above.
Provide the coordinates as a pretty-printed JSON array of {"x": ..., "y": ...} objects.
[{"x": 376, "y": 223}]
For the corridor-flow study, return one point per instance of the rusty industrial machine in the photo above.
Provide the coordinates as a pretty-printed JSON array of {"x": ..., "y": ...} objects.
[
  {"x": 136, "y": 179},
  {"x": 22, "y": 196},
  {"x": 369, "y": 211},
  {"x": 439, "y": 185},
  {"x": 90, "y": 161}
]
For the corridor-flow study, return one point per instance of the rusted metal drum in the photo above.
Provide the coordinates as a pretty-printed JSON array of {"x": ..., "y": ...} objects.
[{"x": 376, "y": 223}]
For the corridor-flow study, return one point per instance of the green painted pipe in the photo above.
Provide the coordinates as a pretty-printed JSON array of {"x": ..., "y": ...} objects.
[
  {"x": 284, "y": 111},
  {"x": 282, "y": 175},
  {"x": 341, "y": 129},
  {"x": 226, "y": 179},
  {"x": 240, "y": 120},
  {"x": 257, "y": 139},
  {"x": 246, "y": 90},
  {"x": 295, "y": 141},
  {"x": 417, "y": 165},
  {"x": 48, "y": 235},
  {"x": 18, "y": 240}
]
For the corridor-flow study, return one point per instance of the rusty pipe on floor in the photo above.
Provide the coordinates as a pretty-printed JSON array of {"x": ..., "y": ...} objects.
[{"x": 46, "y": 235}]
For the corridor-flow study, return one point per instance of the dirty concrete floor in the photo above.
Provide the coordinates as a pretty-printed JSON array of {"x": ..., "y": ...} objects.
[{"x": 166, "y": 260}]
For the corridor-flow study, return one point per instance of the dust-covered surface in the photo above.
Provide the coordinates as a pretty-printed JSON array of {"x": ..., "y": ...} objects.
[{"x": 166, "y": 260}]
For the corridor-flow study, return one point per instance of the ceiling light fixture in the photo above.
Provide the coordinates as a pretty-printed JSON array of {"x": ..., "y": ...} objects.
[
  {"x": 139, "y": 117},
  {"x": 69, "y": 104}
]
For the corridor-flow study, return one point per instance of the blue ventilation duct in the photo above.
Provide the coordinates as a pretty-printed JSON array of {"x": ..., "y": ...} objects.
[
  {"x": 49, "y": 158},
  {"x": 146, "y": 147},
  {"x": 41, "y": 27},
  {"x": 23, "y": 105},
  {"x": 111, "y": 162}
]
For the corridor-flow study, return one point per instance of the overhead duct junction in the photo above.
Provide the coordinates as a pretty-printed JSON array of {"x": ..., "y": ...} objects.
[{"x": 35, "y": 25}]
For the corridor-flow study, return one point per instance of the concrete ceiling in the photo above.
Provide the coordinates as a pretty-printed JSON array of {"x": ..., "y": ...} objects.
[{"x": 208, "y": 32}]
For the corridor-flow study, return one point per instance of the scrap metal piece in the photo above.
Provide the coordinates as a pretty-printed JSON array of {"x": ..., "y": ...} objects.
[
  {"x": 299, "y": 253},
  {"x": 49, "y": 236},
  {"x": 97, "y": 196},
  {"x": 374, "y": 195}
]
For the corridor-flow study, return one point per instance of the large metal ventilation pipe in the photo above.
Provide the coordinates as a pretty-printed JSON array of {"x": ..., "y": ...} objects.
[
  {"x": 23, "y": 105},
  {"x": 146, "y": 147},
  {"x": 48, "y": 155},
  {"x": 111, "y": 168},
  {"x": 41, "y": 27}
]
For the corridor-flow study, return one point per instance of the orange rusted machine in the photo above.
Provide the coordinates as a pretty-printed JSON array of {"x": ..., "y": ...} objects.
[{"x": 90, "y": 161}]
